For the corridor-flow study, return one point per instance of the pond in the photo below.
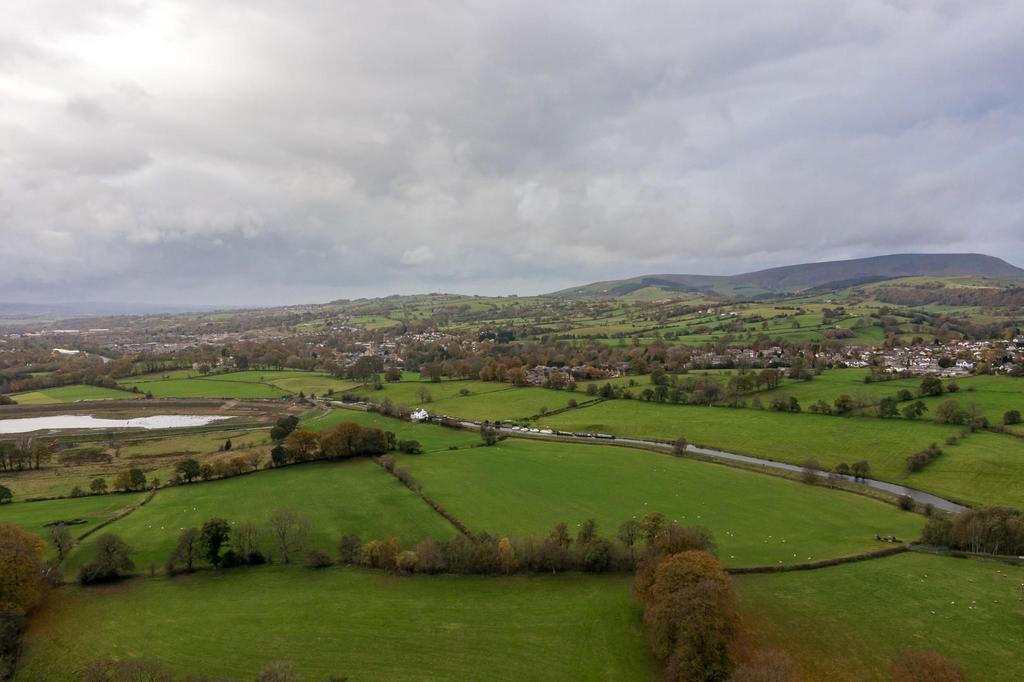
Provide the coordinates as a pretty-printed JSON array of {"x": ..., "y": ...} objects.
[{"x": 79, "y": 421}]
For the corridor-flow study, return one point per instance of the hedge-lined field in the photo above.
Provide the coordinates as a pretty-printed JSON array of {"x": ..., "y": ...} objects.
[
  {"x": 848, "y": 622},
  {"x": 337, "y": 497},
  {"x": 984, "y": 469},
  {"x": 71, "y": 394},
  {"x": 523, "y": 488},
  {"x": 33, "y": 516},
  {"x": 431, "y": 436},
  {"x": 885, "y": 443},
  {"x": 245, "y": 384},
  {"x": 367, "y": 625}
]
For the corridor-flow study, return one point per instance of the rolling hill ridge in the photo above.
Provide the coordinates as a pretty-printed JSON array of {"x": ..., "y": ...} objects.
[{"x": 825, "y": 275}]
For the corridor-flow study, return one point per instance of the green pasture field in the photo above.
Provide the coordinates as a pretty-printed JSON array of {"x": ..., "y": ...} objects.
[
  {"x": 884, "y": 443},
  {"x": 994, "y": 395},
  {"x": 188, "y": 444},
  {"x": 269, "y": 376},
  {"x": 523, "y": 488},
  {"x": 407, "y": 392},
  {"x": 164, "y": 375},
  {"x": 430, "y": 436},
  {"x": 265, "y": 383},
  {"x": 510, "y": 403},
  {"x": 848, "y": 622},
  {"x": 492, "y": 401},
  {"x": 832, "y": 383},
  {"x": 207, "y": 388},
  {"x": 982, "y": 469},
  {"x": 33, "y": 516},
  {"x": 314, "y": 384},
  {"x": 70, "y": 394},
  {"x": 355, "y": 496},
  {"x": 367, "y": 625}
]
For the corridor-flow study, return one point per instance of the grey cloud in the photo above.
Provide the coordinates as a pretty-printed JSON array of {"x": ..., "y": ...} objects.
[{"x": 332, "y": 149}]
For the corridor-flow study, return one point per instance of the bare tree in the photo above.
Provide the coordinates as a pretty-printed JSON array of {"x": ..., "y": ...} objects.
[
  {"x": 290, "y": 531},
  {"x": 245, "y": 538},
  {"x": 188, "y": 548}
]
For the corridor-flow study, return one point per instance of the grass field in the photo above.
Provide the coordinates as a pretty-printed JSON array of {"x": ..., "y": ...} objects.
[
  {"x": 994, "y": 395},
  {"x": 430, "y": 436},
  {"x": 70, "y": 394},
  {"x": 408, "y": 392},
  {"x": 33, "y": 516},
  {"x": 487, "y": 400},
  {"x": 985, "y": 468},
  {"x": 154, "y": 452},
  {"x": 207, "y": 388},
  {"x": 988, "y": 468},
  {"x": 776, "y": 435},
  {"x": 848, "y": 622},
  {"x": 349, "y": 622},
  {"x": 523, "y": 488},
  {"x": 246, "y": 384},
  {"x": 338, "y": 497},
  {"x": 190, "y": 443}
]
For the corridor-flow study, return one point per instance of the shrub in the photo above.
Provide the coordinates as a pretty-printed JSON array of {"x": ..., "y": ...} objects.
[
  {"x": 906, "y": 502},
  {"x": 1011, "y": 417},
  {"x": 809, "y": 473},
  {"x": 410, "y": 447},
  {"x": 110, "y": 561},
  {"x": 318, "y": 559},
  {"x": 919, "y": 460},
  {"x": 349, "y": 549}
]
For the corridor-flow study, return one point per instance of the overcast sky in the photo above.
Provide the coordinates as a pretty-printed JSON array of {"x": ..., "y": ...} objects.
[{"x": 264, "y": 152}]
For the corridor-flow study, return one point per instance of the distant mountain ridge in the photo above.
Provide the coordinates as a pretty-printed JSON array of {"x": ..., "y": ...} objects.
[{"x": 823, "y": 275}]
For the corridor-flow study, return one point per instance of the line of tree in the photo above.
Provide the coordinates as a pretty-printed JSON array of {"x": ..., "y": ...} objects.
[
  {"x": 985, "y": 530},
  {"x": 346, "y": 440},
  {"x": 919, "y": 460},
  {"x": 24, "y": 453}
]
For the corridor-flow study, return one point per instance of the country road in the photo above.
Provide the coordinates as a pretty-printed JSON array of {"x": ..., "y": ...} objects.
[{"x": 919, "y": 496}]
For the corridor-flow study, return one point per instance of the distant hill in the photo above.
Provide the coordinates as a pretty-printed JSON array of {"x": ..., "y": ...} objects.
[{"x": 826, "y": 275}]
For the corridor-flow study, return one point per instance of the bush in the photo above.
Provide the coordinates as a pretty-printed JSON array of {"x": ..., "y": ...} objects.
[
  {"x": 318, "y": 559},
  {"x": 410, "y": 447},
  {"x": 906, "y": 502},
  {"x": 349, "y": 548},
  {"x": 1011, "y": 417},
  {"x": 110, "y": 561},
  {"x": 919, "y": 460},
  {"x": 809, "y": 473}
]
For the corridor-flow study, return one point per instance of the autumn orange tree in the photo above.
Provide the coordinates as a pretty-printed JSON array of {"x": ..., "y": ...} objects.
[
  {"x": 690, "y": 616},
  {"x": 21, "y": 568}
]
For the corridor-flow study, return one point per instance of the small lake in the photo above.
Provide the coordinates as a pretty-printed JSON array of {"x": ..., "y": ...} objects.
[{"x": 80, "y": 421}]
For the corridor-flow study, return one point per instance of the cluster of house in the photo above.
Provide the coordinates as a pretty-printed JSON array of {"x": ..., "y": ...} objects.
[
  {"x": 953, "y": 359},
  {"x": 542, "y": 374},
  {"x": 739, "y": 357}
]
